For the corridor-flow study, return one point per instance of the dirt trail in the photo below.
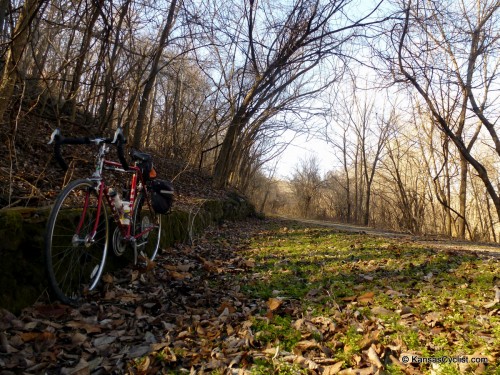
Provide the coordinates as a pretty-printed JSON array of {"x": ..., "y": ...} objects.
[{"x": 480, "y": 248}]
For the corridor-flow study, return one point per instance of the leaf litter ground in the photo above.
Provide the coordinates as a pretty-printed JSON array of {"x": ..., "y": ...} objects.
[{"x": 273, "y": 297}]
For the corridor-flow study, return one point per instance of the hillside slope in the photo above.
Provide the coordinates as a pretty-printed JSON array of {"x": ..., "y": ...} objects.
[{"x": 30, "y": 176}]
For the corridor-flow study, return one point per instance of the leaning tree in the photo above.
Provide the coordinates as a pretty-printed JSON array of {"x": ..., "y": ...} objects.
[{"x": 272, "y": 58}]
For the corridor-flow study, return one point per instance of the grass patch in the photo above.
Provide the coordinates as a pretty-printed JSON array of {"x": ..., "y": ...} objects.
[
  {"x": 276, "y": 332},
  {"x": 270, "y": 297},
  {"x": 389, "y": 295}
]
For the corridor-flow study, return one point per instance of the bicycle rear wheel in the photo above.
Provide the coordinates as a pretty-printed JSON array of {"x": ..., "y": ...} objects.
[
  {"x": 148, "y": 222},
  {"x": 73, "y": 259}
]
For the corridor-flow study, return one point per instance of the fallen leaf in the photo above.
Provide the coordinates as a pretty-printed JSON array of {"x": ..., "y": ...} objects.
[
  {"x": 304, "y": 345},
  {"x": 349, "y": 299},
  {"x": 180, "y": 275},
  {"x": 138, "y": 351},
  {"x": 395, "y": 293},
  {"x": 82, "y": 368},
  {"x": 209, "y": 266},
  {"x": 52, "y": 311},
  {"x": 89, "y": 328},
  {"x": 78, "y": 338},
  {"x": 30, "y": 326},
  {"x": 433, "y": 317},
  {"x": 185, "y": 267},
  {"x": 159, "y": 346},
  {"x": 130, "y": 297},
  {"x": 272, "y": 351},
  {"x": 378, "y": 310},
  {"x": 249, "y": 263},
  {"x": 134, "y": 275},
  {"x": 29, "y": 336},
  {"x": 144, "y": 365},
  {"x": 107, "y": 278},
  {"x": 301, "y": 361},
  {"x": 374, "y": 358},
  {"x": 362, "y": 371},
  {"x": 227, "y": 305},
  {"x": 366, "y": 298},
  {"x": 139, "y": 313},
  {"x": 5, "y": 347},
  {"x": 103, "y": 341},
  {"x": 298, "y": 324},
  {"x": 274, "y": 303},
  {"x": 332, "y": 369}
]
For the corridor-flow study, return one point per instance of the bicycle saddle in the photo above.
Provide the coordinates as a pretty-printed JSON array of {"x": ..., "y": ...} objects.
[{"x": 138, "y": 155}]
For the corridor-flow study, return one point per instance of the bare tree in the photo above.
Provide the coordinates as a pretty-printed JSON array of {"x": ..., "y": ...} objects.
[
  {"x": 148, "y": 85},
  {"x": 4, "y": 11},
  {"x": 448, "y": 52},
  {"x": 407, "y": 185},
  {"x": 93, "y": 11},
  {"x": 306, "y": 183},
  {"x": 273, "y": 50},
  {"x": 18, "y": 44},
  {"x": 108, "y": 99},
  {"x": 360, "y": 134}
]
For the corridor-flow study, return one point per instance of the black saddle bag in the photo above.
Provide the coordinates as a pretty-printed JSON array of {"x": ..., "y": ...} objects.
[{"x": 162, "y": 195}]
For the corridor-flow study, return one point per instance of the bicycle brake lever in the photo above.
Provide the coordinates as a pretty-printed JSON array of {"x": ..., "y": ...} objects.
[
  {"x": 119, "y": 140},
  {"x": 55, "y": 134},
  {"x": 118, "y": 135}
]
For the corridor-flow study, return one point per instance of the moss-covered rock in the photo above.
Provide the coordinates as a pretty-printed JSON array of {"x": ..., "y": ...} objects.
[
  {"x": 22, "y": 274},
  {"x": 11, "y": 226}
]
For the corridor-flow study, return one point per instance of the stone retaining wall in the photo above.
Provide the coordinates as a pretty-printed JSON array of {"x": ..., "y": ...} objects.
[{"x": 22, "y": 230}]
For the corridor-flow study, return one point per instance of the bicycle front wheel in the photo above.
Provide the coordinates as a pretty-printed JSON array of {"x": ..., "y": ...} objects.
[
  {"x": 74, "y": 254},
  {"x": 147, "y": 222}
]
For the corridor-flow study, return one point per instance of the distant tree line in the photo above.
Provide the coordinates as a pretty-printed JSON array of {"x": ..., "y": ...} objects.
[{"x": 414, "y": 142}]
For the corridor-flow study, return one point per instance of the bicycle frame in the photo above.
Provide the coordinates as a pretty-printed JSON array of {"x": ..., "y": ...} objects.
[
  {"x": 78, "y": 230},
  {"x": 136, "y": 184}
]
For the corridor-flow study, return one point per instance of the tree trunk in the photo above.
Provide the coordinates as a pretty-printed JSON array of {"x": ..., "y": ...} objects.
[
  {"x": 108, "y": 97},
  {"x": 462, "y": 196},
  {"x": 223, "y": 166},
  {"x": 20, "y": 40},
  {"x": 151, "y": 117},
  {"x": 366, "y": 214},
  {"x": 148, "y": 87},
  {"x": 356, "y": 186},
  {"x": 490, "y": 216},
  {"x": 4, "y": 9},
  {"x": 348, "y": 183},
  {"x": 77, "y": 74}
]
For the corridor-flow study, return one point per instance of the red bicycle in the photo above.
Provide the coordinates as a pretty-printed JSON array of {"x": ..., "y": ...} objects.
[{"x": 78, "y": 229}]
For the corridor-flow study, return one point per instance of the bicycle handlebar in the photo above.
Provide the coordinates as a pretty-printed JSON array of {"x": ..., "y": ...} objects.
[{"x": 58, "y": 140}]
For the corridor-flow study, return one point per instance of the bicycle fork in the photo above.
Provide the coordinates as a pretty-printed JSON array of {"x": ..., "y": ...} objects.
[{"x": 90, "y": 237}]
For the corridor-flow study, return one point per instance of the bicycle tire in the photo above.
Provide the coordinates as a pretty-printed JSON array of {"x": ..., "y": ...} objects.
[
  {"x": 73, "y": 261},
  {"x": 144, "y": 217}
]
